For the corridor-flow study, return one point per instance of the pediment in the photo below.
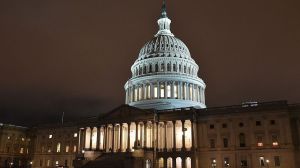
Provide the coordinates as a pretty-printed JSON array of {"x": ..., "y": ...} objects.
[{"x": 124, "y": 113}]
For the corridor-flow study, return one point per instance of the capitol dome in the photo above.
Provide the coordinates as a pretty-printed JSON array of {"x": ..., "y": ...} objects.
[{"x": 165, "y": 76}]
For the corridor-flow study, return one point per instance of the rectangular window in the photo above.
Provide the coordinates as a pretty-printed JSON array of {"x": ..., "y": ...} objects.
[
  {"x": 274, "y": 140},
  {"x": 169, "y": 91},
  {"x": 259, "y": 141},
  {"x": 155, "y": 91},
  {"x": 162, "y": 91},
  {"x": 225, "y": 142},
  {"x": 276, "y": 160},
  {"x": 244, "y": 163},
  {"x": 67, "y": 149},
  {"x": 212, "y": 143},
  {"x": 48, "y": 163},
  {"x": 21, "y": 150}
]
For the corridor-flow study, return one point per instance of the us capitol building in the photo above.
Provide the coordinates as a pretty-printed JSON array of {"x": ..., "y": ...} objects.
[{"x": 164, "y": 123}]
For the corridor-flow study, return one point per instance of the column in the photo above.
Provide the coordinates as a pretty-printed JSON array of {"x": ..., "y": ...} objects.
[
  {"x": 183, "y": 135},
  {"x": 83, "y": 139},
  {"x": 172, "y": 90},
  {"x": 106, "y": 138},
  {"x": 158, "y": 90},
  {"x": 193, "y": 136},
  {"x": 79, "y": 141},
  {"x": 98, "y": 138},
  {"x": 179, "y": 87},
  {"x": 165, "y": 136},
  {"x": 151, "y": 91},
  {"x": 121, "y": 137},
  {"x": 113, "y": 138},
  {"x": 128, "y": 137},
  {"x": 91, "y": 137},
  {"x": 136, "y": 133},
  {"x": 174, "y": 135},
  {"x": 145, "y": 134},
  {"x": 166, "y": 90}
]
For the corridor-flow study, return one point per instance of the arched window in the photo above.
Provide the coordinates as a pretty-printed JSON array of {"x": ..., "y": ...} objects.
[
  {"x": 162, "y": 67},
  {"x": 189, "y": 70},
  {"x": 87, "y": 138},
  {"x": 178, "y": 162},
  {"x": 140, "y": 71},
  {"x": 150, "y": 68},
  {"x": 148, "y": 90},
  {"x": 180, "y": 68},
  {"x": 174, "y": 68},
  {"x": 155, "y": 90},
  {"x": 169, "y": 163},
  {"x": 161, "y": 163},
  {"x": 242, "y": 139},
  {"x": 184, "y": 69},
  {"x": 168, "y": 67},
  {"x": 144, "y": 69},
  {"x": 156, "y": 67},
  {"x": 188, "y": 162}
]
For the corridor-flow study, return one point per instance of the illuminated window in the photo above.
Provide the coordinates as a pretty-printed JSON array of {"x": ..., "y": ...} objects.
[
  {"x": 161, "y": 163},
  {"x": 135, "y": 94},
  {"x": 56, "y": 162},
  {"x": 58, "y": 147},
  {"x": 148, "y": 92},
  {"x": 67, "y": 148},
  {"x": 178, "y": 162},
  {"x": 175, "y": 91},
  {"x": 155, "y": 91},
  {"x": 168, "y": 90},
  {"x": 162, "y": 91},
  {"x": 49, "y": 149},
  {"x": 74, "y": 148},
  {"x": 75, "y": 135},
  {"x": 275, "y": 140},
  {"x": 23, "y": 139},
  {"x": 8, "y": 137},
  {"x": 48, "y": 163},
  {"x": 50, "y": 136},
  {"x": 140, "y": 93},
  {"x": 21, "y": 150},
  {"x": 260, "y": 141}
]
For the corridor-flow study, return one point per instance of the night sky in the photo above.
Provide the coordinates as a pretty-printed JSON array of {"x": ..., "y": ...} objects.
[{"x": 75, "y": 56}]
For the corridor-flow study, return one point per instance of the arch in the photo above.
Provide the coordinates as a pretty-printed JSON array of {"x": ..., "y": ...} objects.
[
  {"x": 156, "y": 67},
  {"x": 162, "y": 67},
  {"x": 188, "y": 162},
  {"x": 178, "y": 134},
  {"x": 161, "y": 162},
  {"x": 178, "y": 162},
  {"x": 188, "y": 134},
  {"x": 94, "y": 138},
  {"x": 88, "y": 138},
  {"x": 174, "y": 68},
  {"x": 150, "y": 68},
  {"x": 169, "y": 67},
  {"x": 169, "y": 162}
]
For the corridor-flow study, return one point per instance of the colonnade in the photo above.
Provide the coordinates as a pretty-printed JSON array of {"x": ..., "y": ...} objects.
[
  {"x": 165, "y": 89},
  {"x": 174, "y": 135},
  {"x": 174, "y": 162}
]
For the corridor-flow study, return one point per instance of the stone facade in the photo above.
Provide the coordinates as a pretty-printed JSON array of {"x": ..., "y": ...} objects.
[{"x": 15, "y": 146}]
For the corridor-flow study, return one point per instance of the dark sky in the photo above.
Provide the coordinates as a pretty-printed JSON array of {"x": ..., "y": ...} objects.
[{"x": 75, "y": 56}]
